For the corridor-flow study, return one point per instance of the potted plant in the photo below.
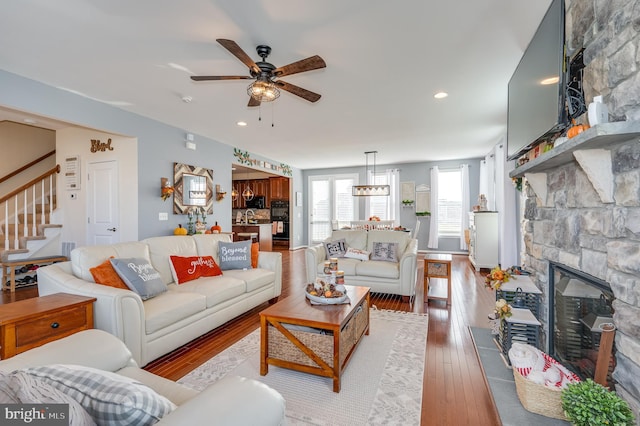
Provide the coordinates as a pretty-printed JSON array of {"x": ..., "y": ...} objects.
[{"x": 589, "y": 403}]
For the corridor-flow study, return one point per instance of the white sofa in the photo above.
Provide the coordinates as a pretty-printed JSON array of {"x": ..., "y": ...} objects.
[
  {"x": 382, "y": 276},
  {"x": 229, "y": 401},
  {"x": 154, "y": 327}
]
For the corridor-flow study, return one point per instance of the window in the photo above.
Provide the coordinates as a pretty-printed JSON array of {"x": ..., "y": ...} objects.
[
  {"x": 449, "y": 203},
  {"x": 331, "y": 204},
  {"x": 386, "y": 208}
]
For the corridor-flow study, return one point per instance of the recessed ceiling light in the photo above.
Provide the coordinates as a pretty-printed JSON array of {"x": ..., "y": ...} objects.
[
  {"x": 550, "y": 80},
  {"x": 441, "y": 95},
  {"x": 241, "y": 123}
]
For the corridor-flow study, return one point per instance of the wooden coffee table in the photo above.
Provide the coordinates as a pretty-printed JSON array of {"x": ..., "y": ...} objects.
[{"x": 315, "y": 339}]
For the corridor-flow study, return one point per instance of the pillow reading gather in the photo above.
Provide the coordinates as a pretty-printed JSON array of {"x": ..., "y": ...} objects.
[
  {"x": 139, "y": 276},
  {"x": 235, "y": 255},
  {"x": 186, "y": 269},
  {"x": 387, "y": 252},
  {"x": 354, "y": 253},
  {"x": 337, "y": 248}
]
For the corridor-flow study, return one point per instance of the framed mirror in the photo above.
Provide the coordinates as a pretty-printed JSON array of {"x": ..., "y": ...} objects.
[{"x": 193, "y": 188}]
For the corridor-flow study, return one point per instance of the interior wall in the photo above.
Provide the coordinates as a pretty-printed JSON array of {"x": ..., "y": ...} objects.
[{"x": 72, "y": 212}]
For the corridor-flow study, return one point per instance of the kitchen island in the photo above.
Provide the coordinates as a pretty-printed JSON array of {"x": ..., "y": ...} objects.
[{"x": 262, "y": 229}]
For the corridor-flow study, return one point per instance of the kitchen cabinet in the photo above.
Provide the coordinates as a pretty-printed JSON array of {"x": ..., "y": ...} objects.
[
  {"x": 279, "y": 188},
  {"x": 483, "y": 239},
  {"x": 258, "y": 186}
]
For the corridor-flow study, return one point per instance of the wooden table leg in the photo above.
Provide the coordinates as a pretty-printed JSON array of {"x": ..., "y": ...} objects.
[
  {"x": 336, "y": 360},
  {"x": 264, "y": 346}
]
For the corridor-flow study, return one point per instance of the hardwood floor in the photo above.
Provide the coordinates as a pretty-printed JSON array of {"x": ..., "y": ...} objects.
[{"x": 455, "y": 391}]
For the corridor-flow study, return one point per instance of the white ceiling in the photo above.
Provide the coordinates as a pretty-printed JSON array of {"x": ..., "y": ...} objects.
[{"x": 385, "y": 60}]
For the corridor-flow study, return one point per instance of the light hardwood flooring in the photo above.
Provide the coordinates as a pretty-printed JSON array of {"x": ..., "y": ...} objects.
[{"x": 455, "y": 391}]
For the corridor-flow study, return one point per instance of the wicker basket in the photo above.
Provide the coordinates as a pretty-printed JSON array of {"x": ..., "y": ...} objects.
[{"x": 539, "y": 399}]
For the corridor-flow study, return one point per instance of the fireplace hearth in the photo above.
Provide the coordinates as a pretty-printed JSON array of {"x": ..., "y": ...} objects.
[{"x": 580, "y": 308}]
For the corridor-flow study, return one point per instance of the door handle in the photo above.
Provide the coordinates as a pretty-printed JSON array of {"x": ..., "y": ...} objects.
[{"x": 111, "y": 229}]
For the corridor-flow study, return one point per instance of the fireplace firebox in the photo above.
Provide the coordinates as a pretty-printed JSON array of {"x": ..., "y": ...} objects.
[{"x": 580, "y": 307}]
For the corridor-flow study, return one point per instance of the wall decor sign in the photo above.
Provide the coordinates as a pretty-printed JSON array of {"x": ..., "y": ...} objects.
[
  {"x": 193, "y": 189},
  {"x": 72, "y": 173},
  {"x": 243, "y": 157},
  {"x": 96, "y": 145}
]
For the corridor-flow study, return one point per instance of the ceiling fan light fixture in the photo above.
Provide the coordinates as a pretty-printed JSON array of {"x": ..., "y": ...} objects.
[{"x": 263, "y": 91}]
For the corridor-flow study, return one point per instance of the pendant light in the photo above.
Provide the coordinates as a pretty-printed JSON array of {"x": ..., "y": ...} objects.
[
  {"x": 247, "y": 194},
  {"x": 371, "y": 189}
]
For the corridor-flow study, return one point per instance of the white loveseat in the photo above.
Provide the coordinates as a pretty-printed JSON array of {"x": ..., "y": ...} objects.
[
  {"x": 382, "y": 276},
  {"x": 154, "y": 327},
  {"x": 229, "y": 401}
]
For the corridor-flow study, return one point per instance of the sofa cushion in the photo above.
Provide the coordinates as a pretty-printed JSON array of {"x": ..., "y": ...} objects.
[
  {"x": 387, "y": 252},
  {"x": 139, "y": 276},
  {"x": 255, "y": 254},
  {"x": 160, "y": 248},
  {"x": 87, "y": 257},
  {"x": 109, "y": 398},
  {"x": 171, "y": 307},
  {"x": 105, "y": 274},
  {"x": 379, "y": 269},
  {"x": 356, "y": 238},
  {"x": 207, "y": 244},
  {"x": 186, "y": 269},
  {"x": 354, "y": 253},
  {"x": 214, "y": 289},
  {"x": 254, "y": 278},
  {"x": 335, "y": 248},
  {"x": 386, "y": 236},
  {"x": 235, "y": 255}
]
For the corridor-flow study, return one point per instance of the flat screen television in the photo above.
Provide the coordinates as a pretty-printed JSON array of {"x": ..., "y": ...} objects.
[{"x": 537, "y": 92}]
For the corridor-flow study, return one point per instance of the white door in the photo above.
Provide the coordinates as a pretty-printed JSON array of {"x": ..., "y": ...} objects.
[
  {"x": 102, "y": 209},
  {"x": 330, "y": 204}
]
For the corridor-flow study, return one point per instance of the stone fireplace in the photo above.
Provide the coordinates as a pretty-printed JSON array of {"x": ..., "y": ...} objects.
[{"x": 580, "y": 206}]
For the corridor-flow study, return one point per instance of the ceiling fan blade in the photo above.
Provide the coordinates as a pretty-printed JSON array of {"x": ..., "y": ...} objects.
[
  {"x": 219, "y": 77},
  {"x": 311, "y": 63},
  {"x": 298, "y": 91},
  {"x": 237, "y": 51},
  {"x": 253, "y": 102}
]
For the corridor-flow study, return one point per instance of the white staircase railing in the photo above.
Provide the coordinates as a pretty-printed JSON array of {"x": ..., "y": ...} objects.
[{"x": 17, "y": 204}]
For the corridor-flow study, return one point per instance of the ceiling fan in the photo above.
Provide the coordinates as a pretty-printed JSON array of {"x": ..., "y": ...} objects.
[{"x": 266, "y": 75}]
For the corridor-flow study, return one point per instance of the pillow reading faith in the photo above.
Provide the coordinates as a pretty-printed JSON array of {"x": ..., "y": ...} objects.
[
  {"x": 105, "y": 274},
  {"x": 336, "y": 248},
  {"x": 110, "y": 399},
  {"x": 186, "y": 269},
  {"x": 354, "y": 253},
  {"x": 235, "y": 255},
  {"x": 387, "y": 252},
  {"x": 255, "y": 251},
  {"x": 139, "y": 276}
]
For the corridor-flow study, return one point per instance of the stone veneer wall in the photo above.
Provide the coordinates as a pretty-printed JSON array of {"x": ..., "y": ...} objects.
[{"x": 572, "y": 226}]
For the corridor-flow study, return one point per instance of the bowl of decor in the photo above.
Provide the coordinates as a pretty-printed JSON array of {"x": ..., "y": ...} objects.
[{"x": 326, "y": 293}]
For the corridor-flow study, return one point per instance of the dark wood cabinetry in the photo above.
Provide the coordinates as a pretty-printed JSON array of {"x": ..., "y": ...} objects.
[
  {"x": 279, "y": 188},
  {"x": 258, "y": 186}
]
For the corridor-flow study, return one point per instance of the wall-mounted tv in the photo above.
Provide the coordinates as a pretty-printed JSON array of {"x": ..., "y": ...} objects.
[{"x": 537, "y": 88}]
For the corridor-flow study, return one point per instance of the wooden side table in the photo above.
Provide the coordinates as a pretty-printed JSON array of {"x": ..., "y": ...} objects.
[
  {"x": 33, "y": 322},
  {"x": 437, "y": 266},
  {"x": 11, "y": 265}
]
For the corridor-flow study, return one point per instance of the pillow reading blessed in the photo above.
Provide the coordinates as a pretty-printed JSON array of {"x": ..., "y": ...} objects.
[
  {"x": 387, "y": 252},
  {"x": 186, "y": 269},
  {"x": 354, "y": 253},
  {"x": 337, "y": 248},
  {"x": 139, "y": 276},
  {"x": 235, "y": 255}
]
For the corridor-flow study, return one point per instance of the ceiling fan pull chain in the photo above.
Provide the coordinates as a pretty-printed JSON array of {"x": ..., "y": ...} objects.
[
  {"x": 260, "y": 112},
  {"x": 272, "y": 115}
]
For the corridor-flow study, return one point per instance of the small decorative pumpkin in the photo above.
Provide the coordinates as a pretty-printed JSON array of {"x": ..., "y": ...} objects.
[
  {"x": 576, "y": 129},
  {"x": 208, "y": 231},
  {"x": 216, "y": 229},
  {"x": 180, "y": 230}
]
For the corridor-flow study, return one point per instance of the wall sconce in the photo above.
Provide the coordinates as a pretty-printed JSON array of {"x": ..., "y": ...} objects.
[
  {"x": 165, "y": 188},
  {"x": 220, "y": 193}
]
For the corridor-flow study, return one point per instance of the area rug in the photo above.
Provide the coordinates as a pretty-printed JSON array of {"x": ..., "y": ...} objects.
[
  {"x": 381, "y": 384},
  {"x": 502, "y": 384}
]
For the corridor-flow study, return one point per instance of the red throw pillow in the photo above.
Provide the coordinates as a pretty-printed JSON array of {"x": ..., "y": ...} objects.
[
  {"x": 185, "y": 269},
  {"x": 105, "y": 274},
  {"x": 255, "y": 248}
]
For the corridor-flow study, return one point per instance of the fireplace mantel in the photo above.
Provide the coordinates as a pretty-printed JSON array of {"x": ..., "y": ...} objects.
[{"x": 604, "y": 135}]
